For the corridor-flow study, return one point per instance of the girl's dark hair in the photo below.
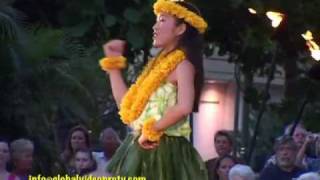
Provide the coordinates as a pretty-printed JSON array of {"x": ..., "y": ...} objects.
[
  {"x": 68, "y": 151},
  {"x": 218, "y": 162},
  {"x": 191, "y": 43}
]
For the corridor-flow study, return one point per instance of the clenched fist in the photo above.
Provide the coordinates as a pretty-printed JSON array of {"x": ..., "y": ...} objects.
[{"x": 114, "y": 48}]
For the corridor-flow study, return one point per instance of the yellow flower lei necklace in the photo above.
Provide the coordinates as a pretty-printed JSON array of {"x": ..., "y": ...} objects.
[{"x": 154, "y": 74}]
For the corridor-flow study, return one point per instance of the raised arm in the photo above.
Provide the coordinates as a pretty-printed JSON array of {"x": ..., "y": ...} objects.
[
  {"x": 116, "y": 48},
  {"x": 302, "y": 151}
]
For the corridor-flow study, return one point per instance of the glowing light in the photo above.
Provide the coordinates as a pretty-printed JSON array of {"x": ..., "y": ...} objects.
[
  {"x": 275, "y": 17},
  {"x": 307, "y": 36},
  {"x": 313, "y": 46},
  {"x": 252, "y": 11}
]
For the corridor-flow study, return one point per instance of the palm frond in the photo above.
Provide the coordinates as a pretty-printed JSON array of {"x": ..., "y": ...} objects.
[
  {"x": 8, "y": 28},
  {"x": 10, "y": 19}
]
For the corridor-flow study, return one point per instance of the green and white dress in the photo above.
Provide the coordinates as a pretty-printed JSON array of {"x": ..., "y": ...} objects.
[{"x": 174, "y": 159}]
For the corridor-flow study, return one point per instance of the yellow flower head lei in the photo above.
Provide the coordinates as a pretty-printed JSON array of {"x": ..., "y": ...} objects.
[
  {"x": 155, "y": 73},
  {"x": 171, "y": 7}
]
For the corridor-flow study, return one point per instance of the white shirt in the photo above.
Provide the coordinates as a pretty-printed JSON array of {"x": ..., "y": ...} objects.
[{"x": 101, "y": 160}]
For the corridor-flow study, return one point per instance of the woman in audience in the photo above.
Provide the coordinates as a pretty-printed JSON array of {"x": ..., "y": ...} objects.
[
  {"x": 4, "y": 159},
  {"x": 78, "y": 138},
  {"x": 22, "y": 158},
  {"x": 223, "y": 166}
]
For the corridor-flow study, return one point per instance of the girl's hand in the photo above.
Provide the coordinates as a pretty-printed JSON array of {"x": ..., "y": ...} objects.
[
  {"x": 114, "y": 48},
  {"x": 146, "y": 144}
]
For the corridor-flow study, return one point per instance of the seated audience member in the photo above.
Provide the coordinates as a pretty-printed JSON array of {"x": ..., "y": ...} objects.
[
  {"x": 309, "y": 176},
  {"x": 78, "y": 138},
  {"x": 4, "y": 159},
  {"x": 223, "y": 143},
  {"x": 222, "y": 167},
  {"x": 241, "y": 172},
  {"x": 303, "y": 138},
  {"x": 285, "y": 169},
  {"x": 84, "y": 162},
  {"x": 22, "y": 158},
  {"x": 110, "y": 142},
  {"x": 299, "y": 137},
  {"x": 310, "y": 164}
]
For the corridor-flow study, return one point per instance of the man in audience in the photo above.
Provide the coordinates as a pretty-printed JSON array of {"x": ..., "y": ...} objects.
[
  {"x": 285, "y": 169},
  {"x": 299, "y": 134},
  {"x": 302, "y": 139},
  {"x": 309, "y": 163},
  {"x": 223, "y": 143},
  {"x": 110, "y": 142}
]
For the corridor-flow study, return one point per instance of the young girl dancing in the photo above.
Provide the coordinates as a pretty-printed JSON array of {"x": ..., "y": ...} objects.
[{"x": 157, "y": 105}]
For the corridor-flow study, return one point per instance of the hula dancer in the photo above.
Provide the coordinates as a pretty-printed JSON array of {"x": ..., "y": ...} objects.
[{"x": 157, "y": 105}]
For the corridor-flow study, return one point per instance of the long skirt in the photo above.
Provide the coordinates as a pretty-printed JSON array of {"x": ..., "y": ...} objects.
[{"x": 174, "y": 159}]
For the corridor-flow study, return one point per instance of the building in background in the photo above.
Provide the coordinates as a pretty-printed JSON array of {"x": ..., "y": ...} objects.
[{"x": 221, "y": 105}]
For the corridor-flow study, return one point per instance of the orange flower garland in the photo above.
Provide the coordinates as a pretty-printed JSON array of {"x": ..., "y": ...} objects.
[
  {"x": 155, "y": 73},
  {"x": 108, "y": 63},
  {"x": 149, "y": 132}
]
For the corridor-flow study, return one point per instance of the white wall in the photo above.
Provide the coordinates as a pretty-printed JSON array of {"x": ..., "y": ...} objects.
[{"x": 216, "y": 111}]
